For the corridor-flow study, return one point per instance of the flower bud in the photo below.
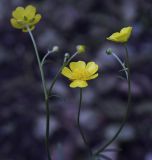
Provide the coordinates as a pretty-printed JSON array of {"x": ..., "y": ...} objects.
[
  {"x": 80, "y": 48},
  {"x": 55, "y": 49},
  {"x": 109, "y": 51},
  {"x": 66, "y": 57}
]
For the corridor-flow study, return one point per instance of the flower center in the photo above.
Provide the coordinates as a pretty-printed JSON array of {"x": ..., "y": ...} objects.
[{"x": 80, "y": 74}]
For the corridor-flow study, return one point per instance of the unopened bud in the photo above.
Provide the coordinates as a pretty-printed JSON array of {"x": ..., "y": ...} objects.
[
  {"x": 55, "y": 48},
  {"x": 81, "y": 48},
  {"x": 66, "y": 57},
  {"x": 109, "y": 51}
]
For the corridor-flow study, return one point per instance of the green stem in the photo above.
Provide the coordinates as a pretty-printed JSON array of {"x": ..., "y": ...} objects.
[
  {"x": 47, "y": 128},
  {"x": 39, "y": 62},
  {"x": 59, "y": 71},
  {"x": 45, "y": 93},
  {"x": 121, "y": 63},
  {"x": 44, "y": 58},
  {"x": 54, "y": 79},
  {"x": 79, "y": 127},
  {"x": 128, "y": 107}
]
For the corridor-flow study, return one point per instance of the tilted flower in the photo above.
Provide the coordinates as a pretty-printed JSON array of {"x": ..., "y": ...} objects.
[
  {"x": 23, "y": 17},
  {"x": 122, "y": 36},
  {"x": 80, "y": 72}
]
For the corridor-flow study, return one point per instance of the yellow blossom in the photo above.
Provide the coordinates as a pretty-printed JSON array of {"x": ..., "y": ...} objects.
[
  {"x": 80, "y": 72},
  {"x": 121, "y": 36},
  {"x": 23, "y": 17}
]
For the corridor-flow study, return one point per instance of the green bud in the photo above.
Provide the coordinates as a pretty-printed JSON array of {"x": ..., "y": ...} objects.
[
  {"x": 109, "y": 51},
  {"x": 80, "y": 48}
]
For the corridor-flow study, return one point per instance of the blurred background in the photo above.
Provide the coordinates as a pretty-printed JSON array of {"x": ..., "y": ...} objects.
[{"x": 67, "y": 24}]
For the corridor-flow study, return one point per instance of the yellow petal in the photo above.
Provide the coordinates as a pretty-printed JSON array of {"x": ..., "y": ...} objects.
[
  {"x": 31, "y": 28},
  {"x": 15, "y": 24},
  {"x": 36, "y": 19},
  {"x": 92, "y": 68},
  {"x": 18, "y": 13},
  {"x": 78, "y": 83},
  {"x": 121, "y": 36},
  {"x": 77, "y": 65},
  {"x": 113, "y": 37},
  {"x": 67, "y": 72},
  {"x": 126, "y": 30},
  {"x": 92, "y": 77},
  {"x": 30, "y": 12}
]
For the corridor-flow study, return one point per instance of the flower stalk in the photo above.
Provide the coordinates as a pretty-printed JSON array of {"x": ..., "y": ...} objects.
[
  {"x": 45, "y": 57},
  {"x": 122, "y": 64},
  {"x": 128, "y": 106},
  {"x": 38, "y": 60},
  {"x": 79, "y": 126},
  {"x": 45, "y": 94},
  {"x": 65, "y": 63}
]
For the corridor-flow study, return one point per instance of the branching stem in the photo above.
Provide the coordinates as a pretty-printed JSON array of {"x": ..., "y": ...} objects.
[
  {"x": 128, "y": 106},
  {"x": 45, "y": 94}
]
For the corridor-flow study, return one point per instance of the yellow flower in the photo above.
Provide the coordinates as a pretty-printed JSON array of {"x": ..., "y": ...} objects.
[
  {"x": 23, "y": 17},
  {"x": 80, "y": 72},
  {"x": 121, "y": 36}
]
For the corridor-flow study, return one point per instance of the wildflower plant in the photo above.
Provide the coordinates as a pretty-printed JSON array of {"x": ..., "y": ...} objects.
[
  {"x": 79, "y": 73},
  {"x": 120, "y": 37}
]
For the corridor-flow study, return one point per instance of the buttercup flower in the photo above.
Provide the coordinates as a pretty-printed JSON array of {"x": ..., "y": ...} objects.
[
  {"x": 23, "y": 17},
  {"x": 121, "y": 36},
  {"x": 80, "y": 72}
]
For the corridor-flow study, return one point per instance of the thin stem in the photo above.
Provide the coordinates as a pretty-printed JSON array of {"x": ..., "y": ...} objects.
[
  {"x": 59, "y": 71},
  {"x": 128, "y": 107},
  {"x": 47, "y": 99},
  {"x": 55, "y": 78},
  {"x": 39, "y": 62},
  {"x": 44, "y": 58},
  {"x": 121, "y": 63},
  {"x": 71, "y": 57},
  {"x": 79, "y": 127},
  {"x": 47, "y": 128},
  {"x": 45, "y": 93}
]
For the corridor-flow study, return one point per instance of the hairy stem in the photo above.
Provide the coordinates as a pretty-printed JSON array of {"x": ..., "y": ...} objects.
[
  {"x": 128, "y": 107},
  {"x": 79, "y": 127},
  {"x": 45, "y": 93},
  {"x": 39, "y": 62},
  {"x": 121, "y": 63},
  {"x": 59, "y": 71}
]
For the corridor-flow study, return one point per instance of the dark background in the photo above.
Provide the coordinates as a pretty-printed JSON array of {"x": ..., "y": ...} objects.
[{"x": 67, "y": 24}]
